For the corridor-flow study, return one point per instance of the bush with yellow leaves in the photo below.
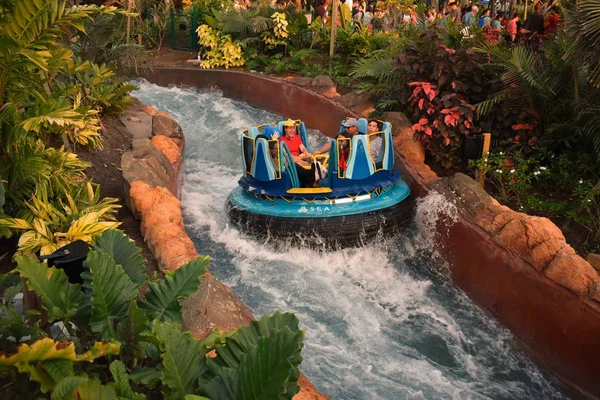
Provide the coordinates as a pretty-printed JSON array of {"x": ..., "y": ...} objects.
[{"x": 222, "y": 50}]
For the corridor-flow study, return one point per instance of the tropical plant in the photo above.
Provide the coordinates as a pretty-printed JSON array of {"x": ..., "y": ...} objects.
[
  {"x": 34, "y": 167},
  {"x": 222, "y": 50},
  {"x": 151, "y": 356},
  {"x": 583, "y": 26},
  {"x": 49, "y": 225},
  {"x": 45, "y": 92}
]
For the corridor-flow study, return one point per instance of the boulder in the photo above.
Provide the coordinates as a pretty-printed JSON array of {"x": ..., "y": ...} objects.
[
  {"x": 322, "y": 83},
  {"x": 513, "y": 236},
  {"x": 162, "y": 225},
  {"x": 359, "y": 102},
  {"x": 169, "y": 148},
  {"x": 163, "y": 124},
  {"x": 398, "y": 120},
  {"x": 302, "y": 81},
  {"x": 148, "y": 164},
  {"x": 541, "y": 229},
  {"x": 574, "y": 273},
  {"x": 150, "y": 110},
  {"x": 212, "y": 307},
  {"x": 542, "y": 254},
  {"x": 594, "y": 260},
  {"x": 137, "y": 122}
]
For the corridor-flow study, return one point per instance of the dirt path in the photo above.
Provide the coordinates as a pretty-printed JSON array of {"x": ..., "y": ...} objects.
[{"x": 106, "y": 171}]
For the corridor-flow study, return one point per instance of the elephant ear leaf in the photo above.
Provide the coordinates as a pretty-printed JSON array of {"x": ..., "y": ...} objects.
[
  {"x": 60, "y": 299},
  {"x": 111, "y": 292},
  {"x": 122, "y": 386},
  {"x": 163, "y": 298},
  {"x": 257, "y": 363},
  {"x": 124, "y": 251},
  {"x": 182, "y": 360}
]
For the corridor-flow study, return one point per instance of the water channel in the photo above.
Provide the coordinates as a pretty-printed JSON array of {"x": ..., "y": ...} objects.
[{"x": 382, "y": 321}]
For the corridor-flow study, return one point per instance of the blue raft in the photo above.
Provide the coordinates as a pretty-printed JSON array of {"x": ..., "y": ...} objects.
[{"x": 360, "y": 197}]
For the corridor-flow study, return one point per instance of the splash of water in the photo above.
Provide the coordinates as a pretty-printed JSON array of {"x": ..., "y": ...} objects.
[{"x": 382, "y": 321}]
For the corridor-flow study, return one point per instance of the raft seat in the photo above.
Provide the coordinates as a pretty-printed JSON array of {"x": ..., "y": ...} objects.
[
  {"x": 262, "y": 166},
  {"x": 360, "y": 164}
]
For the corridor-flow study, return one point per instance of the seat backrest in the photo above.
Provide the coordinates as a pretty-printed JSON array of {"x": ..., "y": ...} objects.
[
  {"x": 262, "y": 167},
  {"x": 247, "y": 153},
  {"x": 360, "y": 165},
  {"x": 363, "y": 126},
  {"x": 388, "y": 154},
  {"x": 253, "y": 132}
]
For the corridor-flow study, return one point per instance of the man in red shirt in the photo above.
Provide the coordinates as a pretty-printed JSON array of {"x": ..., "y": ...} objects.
[{"x": 294, "y": 142}]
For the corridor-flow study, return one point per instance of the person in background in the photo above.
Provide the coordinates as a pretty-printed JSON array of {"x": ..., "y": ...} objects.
[
  {"x": 470, "y": 18},
  {"x": 552, "y": 21},
  {"x": 512, "y": 29},
  {"x": 431, "y": 14},
  {"x": 454, "y": 14},
  {"x": 357, "y": 17},
  {"x": 535, "y": 21},
  {"x": 496, "y": 22},
  {"x": 368, "y": 17},
  {"x": 485, "y": 19}
]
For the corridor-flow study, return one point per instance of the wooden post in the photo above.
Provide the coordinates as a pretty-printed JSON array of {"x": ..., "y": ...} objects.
[
  {"x": 487, "y": 138},
  {"x": 334, "y": 13},
  {"x": 525, "y": 15}
]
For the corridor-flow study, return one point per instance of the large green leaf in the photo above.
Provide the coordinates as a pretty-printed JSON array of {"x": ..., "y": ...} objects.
[
  {"x": 122, "y": 386},
  {"x": 182, "y": 359},
  {"x": 111, "y": 291},
  {"x": 135, "y": 323},
  {"x": 65, "y": 388},
  {"x": 259, "y": 361},
  {"x": 163, "y": 298},
  {"x": 60, "y": 299},
  {"x": 124, "y": 252},
  {"x": 93, "y": 389}
]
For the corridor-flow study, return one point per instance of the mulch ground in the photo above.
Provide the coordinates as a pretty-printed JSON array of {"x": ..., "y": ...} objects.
[{"x": 106, "y": 171}]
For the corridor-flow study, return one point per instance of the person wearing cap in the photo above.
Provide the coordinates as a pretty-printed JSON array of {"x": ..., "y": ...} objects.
[
  {"x": 350, "y": 130},
  {"x": 454, "y": 14},
  {"x": 470, "y": 18},
  {"x": 294, "y": 142}
]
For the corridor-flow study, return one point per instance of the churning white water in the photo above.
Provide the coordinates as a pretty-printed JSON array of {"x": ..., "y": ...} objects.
[{"x": 382, "y": 321}]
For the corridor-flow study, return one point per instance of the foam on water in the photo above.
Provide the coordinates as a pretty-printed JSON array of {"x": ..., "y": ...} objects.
[{"x": 382, "y": 321}]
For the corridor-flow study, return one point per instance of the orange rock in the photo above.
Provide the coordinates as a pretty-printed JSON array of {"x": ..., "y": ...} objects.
[
  {"x": 330, "y": 93},
  {"x": 542, "y": 254},
  {"x": 150, "y": 110},
  {"x": 308, "y": 390},
  {"x": 540, "y": 230},
  {"x": 169, "y": 149},
  {"x": 574, "y": 273},
  {"x": 513, "y": 237},
  {"x": 500, "y": 221}
]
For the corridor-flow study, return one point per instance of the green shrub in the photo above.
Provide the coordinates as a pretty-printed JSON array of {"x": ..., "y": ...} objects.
[{"x": 116, "y": 345}]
